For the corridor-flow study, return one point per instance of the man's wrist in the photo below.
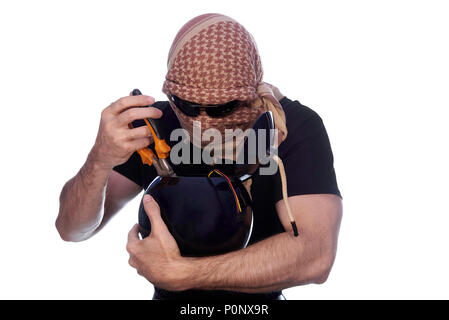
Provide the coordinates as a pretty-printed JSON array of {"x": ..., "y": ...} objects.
[
  {"x": 191, "y": 274},
  {"x": 199, "y": 273},
  {"x": 94, "y": 162}
]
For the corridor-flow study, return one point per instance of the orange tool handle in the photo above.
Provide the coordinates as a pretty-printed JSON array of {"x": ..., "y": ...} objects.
[
  {"x": 161, "y": 147},
  {"x": 146, "y": 155}
]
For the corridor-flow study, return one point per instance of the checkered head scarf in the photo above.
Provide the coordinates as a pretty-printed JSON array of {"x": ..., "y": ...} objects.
[{"x": 214, "y": 60}]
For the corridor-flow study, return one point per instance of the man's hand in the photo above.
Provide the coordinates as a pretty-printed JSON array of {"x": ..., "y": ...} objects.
[
  {"x": 157, "y": 257},
  {"x": 115, "y": 140}
]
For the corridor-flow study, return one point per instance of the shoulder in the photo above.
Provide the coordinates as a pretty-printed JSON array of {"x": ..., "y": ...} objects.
[
  {"x": 302, "y": 122},
  {"x": 298, "y": 115},
  {"x": 162, "y": 105},
  {"x": 307, "y": 153}
]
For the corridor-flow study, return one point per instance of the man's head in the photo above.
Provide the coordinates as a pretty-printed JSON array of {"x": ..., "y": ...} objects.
[{"x": 213, "y": 61}]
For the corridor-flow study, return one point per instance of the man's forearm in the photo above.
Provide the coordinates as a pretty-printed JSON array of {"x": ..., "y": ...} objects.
[
  {"x": 81, "y": 202},
  {"x": 275, "y": 263}
]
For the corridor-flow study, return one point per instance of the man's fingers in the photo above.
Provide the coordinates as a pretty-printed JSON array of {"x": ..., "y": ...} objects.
[
  {"x": 131, "y": 101},
  {"x": 132, "y": 262},
  {"x": 138, "y": 133},
  {"x": 132, "y": 114},
  {"x": 154, "y": 214},
  {"x": 133, "y": 235},
  {"x": 140, "y": 143}
]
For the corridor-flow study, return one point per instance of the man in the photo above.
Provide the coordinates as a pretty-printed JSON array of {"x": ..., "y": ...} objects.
[{"x": 214, "y": 60}]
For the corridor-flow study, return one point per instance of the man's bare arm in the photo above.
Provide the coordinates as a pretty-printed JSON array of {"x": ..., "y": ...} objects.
[
  {"x": 84, "y": 196},
  {"x": 90, "y": 200},
  {"x": 81, "y": 202},
  {"x": 280, "y": 261}
]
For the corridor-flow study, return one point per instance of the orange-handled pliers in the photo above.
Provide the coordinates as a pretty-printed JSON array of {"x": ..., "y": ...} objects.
[{"x": 148, "y": 157}]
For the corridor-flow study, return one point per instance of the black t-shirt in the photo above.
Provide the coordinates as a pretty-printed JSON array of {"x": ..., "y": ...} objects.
[{"x": 308, "y": 161}]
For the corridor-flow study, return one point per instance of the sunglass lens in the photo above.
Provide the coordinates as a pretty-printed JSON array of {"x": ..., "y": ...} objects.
[
  {"x": 186, "y": 107},
  {"x": 222, "y": 110}
]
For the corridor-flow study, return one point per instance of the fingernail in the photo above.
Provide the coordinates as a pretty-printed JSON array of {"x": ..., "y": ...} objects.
[{"x": 147, "y": 198}]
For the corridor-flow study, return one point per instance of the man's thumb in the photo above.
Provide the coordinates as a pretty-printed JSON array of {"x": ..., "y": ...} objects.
[{"x": 154, "y": 214}]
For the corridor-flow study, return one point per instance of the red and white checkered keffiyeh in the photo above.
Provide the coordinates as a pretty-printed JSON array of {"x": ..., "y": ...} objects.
[{"x": 214, "y": 60}]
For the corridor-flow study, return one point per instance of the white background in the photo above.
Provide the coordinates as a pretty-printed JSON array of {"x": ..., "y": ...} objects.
[{"x": 376, "y": 71}]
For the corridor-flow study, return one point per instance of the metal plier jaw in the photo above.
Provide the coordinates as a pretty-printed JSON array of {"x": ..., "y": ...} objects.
[{"x": 163, "y": 168}]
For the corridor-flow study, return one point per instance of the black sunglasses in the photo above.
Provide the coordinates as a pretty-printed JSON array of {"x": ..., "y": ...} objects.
[{"x": 193, "y": 110}]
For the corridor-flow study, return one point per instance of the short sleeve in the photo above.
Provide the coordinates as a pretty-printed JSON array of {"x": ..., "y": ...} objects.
[
  {"x": 131, "y": 169},
  {"x": 308, "y": 157},
  {"x": 136, "y": 171}
]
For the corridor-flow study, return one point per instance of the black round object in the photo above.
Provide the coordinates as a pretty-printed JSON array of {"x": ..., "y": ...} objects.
[{"x": 201, "y": 213}]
